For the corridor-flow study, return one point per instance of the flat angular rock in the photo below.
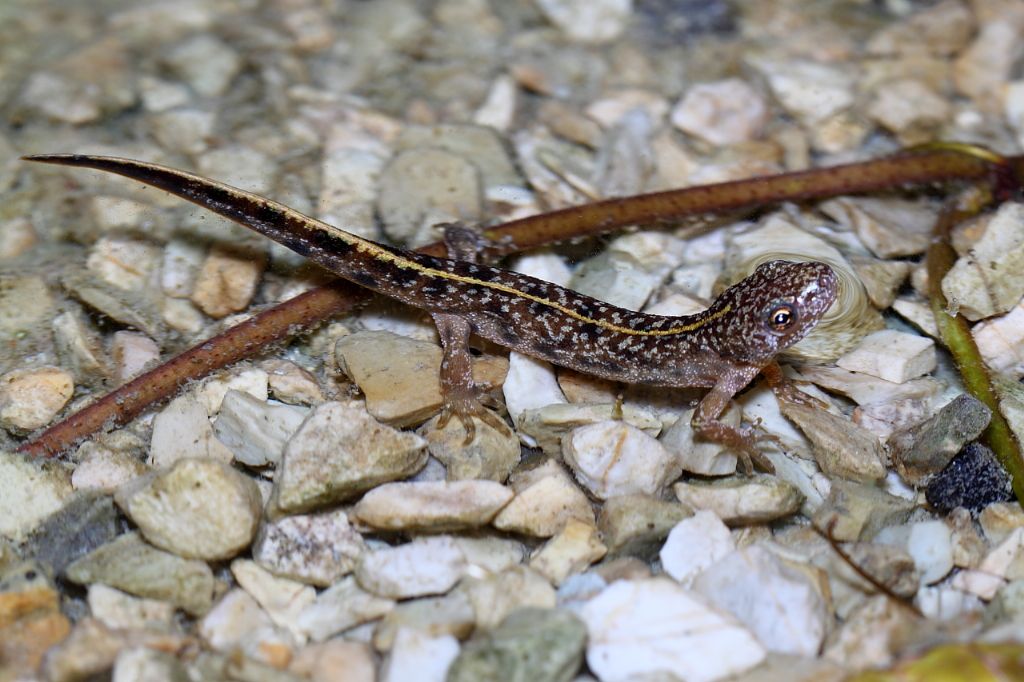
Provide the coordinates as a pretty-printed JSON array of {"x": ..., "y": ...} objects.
[
  {"x": 572, "y": 550},
  {"x": 29, "y": 492},
  {"x": 451, "y": 614},
  {"x": 891, "y": 355},
  {"x": 531, "y": 645},
  {"x": 635, "y": 525},
  {"x": 496, "y": 596},
  {"x": 855, "y": 511},
  {"x": 400, "y": 376},
  {"x": 339, "y": 452},
  {"x": 988, "y": 280},
  {"x": 318, "y": 549},
  {"x": 491, "y": 455},
  {"x": 340, "y": 607},
  {"x": 418, "y": 656},
  {"x": 613, "y": 458},
  {"x": 182, "y": 430},
  {"x": 131, "y": 565},
  {"x": 739, "y": 501},
  {"x": 638, "y": 627},
  {"x": 693, "y": 545},
  {"x": 31, "y": 398},
  {"x": 87, "y": 521},
  {"x": 119, "y": 610},
  {"x": 545, "y": 500},
  {"x": 255, "y": 430},
  {"x": 431, "y": 505},
  {"x": 926, "y": 448},
  {"x": 841, "y": 448},
  {"x": 781, "y": 604},
  {"x": 425, "y": 566},
  {"x": 198, "y": 509}
]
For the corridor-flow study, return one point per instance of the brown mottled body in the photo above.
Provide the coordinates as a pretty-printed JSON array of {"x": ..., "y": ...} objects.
[{"x": 722, "y": 348}]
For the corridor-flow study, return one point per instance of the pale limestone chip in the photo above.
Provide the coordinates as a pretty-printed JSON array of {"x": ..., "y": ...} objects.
[
  {"x": 496, "y": 596},
  {"x": 544, "y": 504},
  {"x": 431, "y": 505},
  {"x": 198, "y": 508},
  {"x": 588, "y": 21},
  {"x": 206, "y": 63},
  {"x": 755, "y": 499},
  {"x": 638, "y": 627},
  {"x": 570, "y": 551},
  {"x": 119, "y": 610},
  {"x": 989, "y": 279},
  {"x": 182, "y": 430},
  {"x": 611, "y": 109},
  {"x": 340, "y": 607},
  {"x": 613, "y": 458},
  {"x": 783, "y": 604},
  {"x": 891, "y": 355},
  {"x": 31, "y": 398},
  {"x": 339, "y": 452},
  {"x": 722, "y": 112},
  {"x": 282, "y": 599},
  {"x": 132, "y": 353},
  {"x": 701, "y": 457},
  {"x": 427, "y": 565},
  {"x": 418, "y": 656},
  {"x": 255, "y": 430},
  {"x": 292, "y": 384},
  {"x": 693, "y": 545},
  {"x": 28, "y": 494},
  {"x": 841, "y": 448},
  {"x": 930, "y": 543},
  {"x": 451, "y": 614},
  {"x": 227, "y": 280}
]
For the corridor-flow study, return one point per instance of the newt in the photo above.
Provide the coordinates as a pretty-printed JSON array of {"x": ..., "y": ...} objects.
[{"x": 722, "y": 348}]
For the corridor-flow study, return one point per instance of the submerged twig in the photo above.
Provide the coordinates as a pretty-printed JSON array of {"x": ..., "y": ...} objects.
[{"x": 935, "y": 165}]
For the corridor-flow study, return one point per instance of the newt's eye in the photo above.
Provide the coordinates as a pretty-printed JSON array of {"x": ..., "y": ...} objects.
[{"x": 782, "y": 317}]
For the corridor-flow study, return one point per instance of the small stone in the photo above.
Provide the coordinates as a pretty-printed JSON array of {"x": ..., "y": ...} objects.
[
  {"x": 417, "y": 656},
  {"x": 425, "y": 566},
  {"x": 999, "y": 520},
  {"x": 89, "y": 650},
  {"x": 340, "y": 607},
  {"x": 17, "y": 236},
  {"x": 722, "y": 112},
  {"x": 30, "y": 619},
  {"x": 138, "y": 664},
  {"x": 630, "y": 269},
  {"x": 619, "y": 108},
  {"x": 588, "y": 22},
  {"x": 987, "y": 280},
  {"x": 741, "y": 501},
  {"x": 336, "y": 660},
  {"x": 499, "y": 108},
  {"x": 973, "y": 479},
  {"x": 182, "y": 430},
  {"x": 635, "y": 525},
  {"x": 29, "y": 493},
  {"x": 125, "y": 263},
  {"x": 132, "y": 353},
  {"x": 206, "y": 63},
  {"x": 451, "y": 614},
  {"x": 891, "y": 355},
  {"x": 118, "y": 610},
  {"x": 856, "y": 511},
  {"x": 640, "y": 627},
  {"x": 808, "y": 90},
  {"x": 491, "y": 455},
  {"x": 888, "y": 227},
  {"x": 495, "y": 596},
  {"x": 213, "y": 389},
  {"x": 985, "y": 66},
  {"x": 542, "y": 645},
  {"x": 85, "y": 522},
  {"x": 232, "y": 620},
  {"x": 422, "y": 187},
  {"x": 80, "y": 348},
  {"x": 281, "y": 598},
  {"x": 198, "y": 509},
  {"x": 926, "y": 448},
  {"x": 160, "y": 95},
  {"x": 548, "y": 425},
  {"x": 31, "y": 398},
  {"x": 400, "y": 376},
  {"x": 431, "y": 506},
  {"x": 928, "y": 542},
  {"x": 59, "y": 97},
  {"x": 227, "y": 280},
  {"x": 693, "y": 545},
  {"x": 255, "y": 430},
  {"x": 613, "y": 458},
  {"x": 995, "y": 569},
  {"x": 780, "y": 602},
  {"x": 103, "y": 469},
  {"x": 339, "y": 452},
  {"x": 318, "y": 549},
  {"x": 292, "y": 384},
  {"x": 570, "y": 551},
  {"x": 131, "y": 565},
  {"x": 187, "y": 130},
  {"x": 912, "y": 123},
  {"x": 1001, "y": 340},
  {"x": 529, "y": 385},
  {"x": 545, "y": 501},
  {"x": 841, "y": 448}
]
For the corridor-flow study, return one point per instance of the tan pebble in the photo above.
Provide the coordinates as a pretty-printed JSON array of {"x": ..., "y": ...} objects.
[{"x": 31, "y": 398}]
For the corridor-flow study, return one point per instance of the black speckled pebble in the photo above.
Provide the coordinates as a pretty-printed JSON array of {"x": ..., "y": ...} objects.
[{"x": 974, "y": 479}]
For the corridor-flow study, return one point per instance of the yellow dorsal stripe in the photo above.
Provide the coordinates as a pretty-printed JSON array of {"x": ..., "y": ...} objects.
[{"x": 377, "y": 251}]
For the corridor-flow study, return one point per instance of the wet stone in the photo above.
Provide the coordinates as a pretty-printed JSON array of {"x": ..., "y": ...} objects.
[
  {"x": 926, "y": 448},
  {"x": 531, "y": 645},
  {"x": 973, "y": 479}
]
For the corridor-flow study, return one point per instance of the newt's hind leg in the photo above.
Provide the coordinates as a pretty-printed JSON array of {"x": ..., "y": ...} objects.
[{"x": 461, "y": 394}]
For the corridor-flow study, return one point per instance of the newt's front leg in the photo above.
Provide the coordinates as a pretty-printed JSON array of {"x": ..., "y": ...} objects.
[
  {"x": 706, "y": 419},
  {"x": 785, "y": 389}
]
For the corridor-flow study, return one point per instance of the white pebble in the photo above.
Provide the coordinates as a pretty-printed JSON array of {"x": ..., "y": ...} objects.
[
  {"x": 613, "y": 458},
  {"x": 425, "y": 566},
  {"x": 255, "y": 430},
  {"x": 418, "y": 656},
  {"x": 891, "y": 355},
  {"x": 693, "y": 545},
  {"x": 723, "y": 112}
]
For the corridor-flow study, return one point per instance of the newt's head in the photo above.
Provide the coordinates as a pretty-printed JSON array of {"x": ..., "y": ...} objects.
[{"x": 776, "y": 306}]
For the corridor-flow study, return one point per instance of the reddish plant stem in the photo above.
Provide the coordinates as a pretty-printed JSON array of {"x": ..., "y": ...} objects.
[{"x": 302, "y": 312}]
